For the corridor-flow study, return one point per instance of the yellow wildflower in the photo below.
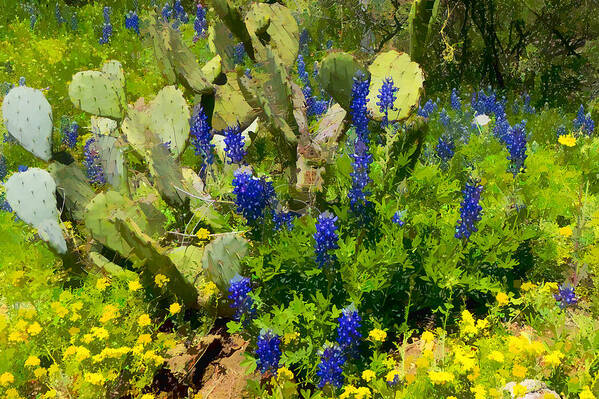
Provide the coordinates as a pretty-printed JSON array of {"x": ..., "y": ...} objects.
[
  {"x": 440, "y": 377},
  {"x": 553, "y": 359},
  {"x": 32, "y": 361},
  {"x": 519, "y": 390},
  {"x": 174, "y": 308},
  {"x": 363, "y": 393},
  {"x": 39, "y": 372},
  {"x": 6, "y": 379},
  {"x": 519, "y": 371},
  {"x": 468, "y": 325},
  {"x": 12, "y": 393},
  {"x": 548, "y": 395},
  {"x": 110, "y": 312},
  {"x": 203, "y": 234},
  {"x": 82, "y": 353},
  {"x": 144, "y": 339},
  {"x": 586, "y": 393},
  {"x": 389, "y": 362},
  {"x": 502, "y": 299},
  {"x": 288, "y": 337},
  {"x": 60, "y": 310},
  {"x": 53, "y": 369},
  {"x": 74, "y": 317},
  {"x": 565, "y": 231},
  {"x": 428, "y": 336},
  {"x": 465, "y": 358},
  {"x": 150, "y": 396},
  {"x": 144, "y": 320},
  {"x": 347, "y": 391},
  {"x": 77, "y": 306},
  {"x": 451, "y": 397},
  {"x": 102, "y": 283},
  {"x": 284, "y": 373},
  {"x": 161, "y": 280},
  {"x": 392, "y": 376},
  {"x": 100, "y": 332},
  {"x": 134, "y": 285},
  {"x": 496, "y": 356},
  {"x": 74, "y": 331},
  {"x": 368, "y": 375},
  {"x": 34, "y": 328},
  {"x": 50, "y": 394},
  {"x": 567, "y": 140},
  {"x": 527, "y": 286},
  {"x": 377, "y": 335},
  {"x": 94, "y": 378},
  {"x": 209, "y": 289},
  {"x": 480, "y": 392}
]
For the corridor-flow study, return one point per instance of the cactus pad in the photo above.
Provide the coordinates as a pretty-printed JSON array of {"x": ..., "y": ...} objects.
[
  {"x": 28, "y": 118},
  {"x": 31, "y": 194},
  {"x": 336, "y": 74},
  {"x": 230, "y": 106},
  {"x": 221, "y": 260},
  {"x": 98, "y": 93},
  {"x": 72, "y": 185},
  {"x": 406, "y": 75}
]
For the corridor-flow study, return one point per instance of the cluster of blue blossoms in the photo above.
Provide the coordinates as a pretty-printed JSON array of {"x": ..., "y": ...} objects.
[
  {"x": 252, "y": 196},
  {"x": 238, "y": 53},
  {"x": 269, "y": 351},
  {"x": 3, "y": 168},
  {"x": 177, "y": 12},
  {"x": 566, "y": 297},
  {"x": 469, "y": 211},
  {"x": 330, "y": 368},
  {"x": 387, "y": 96},
  {"x": 239, "y": 290},
  {"x": 132, "y": 21},
  {"x": 234, "y": 144},
  {"x": 201, "y": 136},
  {"x": 200, "y": 24},
  {"x": 584, "y": 122},
  {"x": 70, "y": 132},
  {"x": 515, "y": 141},
  {"x": 326, "y": 239},
  {"x": 107, "y": 27},
  {"x": 314, "y": 106},
  {"x": 92, "y": 164}
]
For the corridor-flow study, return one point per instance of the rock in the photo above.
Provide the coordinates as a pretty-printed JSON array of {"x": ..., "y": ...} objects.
[{"x": 535, "y": 389}]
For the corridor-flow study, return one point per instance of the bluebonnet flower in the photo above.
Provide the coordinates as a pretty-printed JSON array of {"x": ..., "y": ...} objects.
[
  {"x": 22, "y": 168},
  {"x": 201, "y": 137},
  {"x": 584, "y": 122},
  {"x": 74, "y": 22},
  {"x": 358, "y": 110},
  {"x": 3, "y": 168},
  {"x": 398, "y": 218},
  {"x": 282, "y": 218},
  {"x": 301, "y": 70},
  {"x": 445, "y": 148},
  {"x": 200, "y": 25},
  {"x": 360, "y": 179},
  {"x": 330, "y": 368},
  {"x": 456, "y": 103},
  {"x": 32, "y": 15},
  {"x": 348, "y": 334},
  {"x": 132, "y": 21},
  {"x": 252, "y": 196},
  {"x": 269, "y": 351},
  {"x": 429, "y": 107},
  {"x": 58, "y": 15},
  {"x": 515, "y": 142},
  {"x": 326, "y": 239},
  {"x": 70, "y": 133},
  {"x": 329, "y": 44},
  {"x": 91, "y": 161},
  {"x": 239, "y": 289},
  {"x": 528, "y": 109},
  {"x": 444, "y": 118},
  {"x": 387, "y": 96},
  {"x": 502, "y": 128},
  {"x": 488, "y": 104},
  {"x": 315, "y": 70},
  {"x": 565, "y": 296},
  {"x": 304, "y": 39},
  {"x": 469, "y": 211},
  {"x": 22, "y": 81},
  {"x": 238, "y": 53},
  {"x": 234, "y": 144},
  {"x": 561, "y": 131},
  {"x": 179, "y": 12},
  {"x": 4, "y": 205},
  {"x": 167, "y": 12},
  {"x": 107, "y": 28}
]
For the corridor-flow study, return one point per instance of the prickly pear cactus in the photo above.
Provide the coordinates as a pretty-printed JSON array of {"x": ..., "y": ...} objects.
[
  {"x": 273, "y": 25},
  {"x": 104, "y": 126},
  {"x": 407, "y": 77},
  {"x": 164, "y": 120},
  {"x": 221, "y": 260},
  {"x": 98, "y": 219},
  {"x": 110, "y": 268},
  {"x": 73, "y": 187},
  {"x": 336, "y": 74},
  {"x": 230, "y": 106},
  {"x": 223, "y": 42},
  {"x": 28, "y": 118},
  {"x": 155, "y": 258},
  {"x": 420, "y": 21},
  {"x": 31, "y": 194},
  {"x": 99, "y": 93},
  {"x": 167, "y": 175},
  {"x": 114, "y": 70},
  {"x": 232, "y": 18},
  {"x": 213, "y": 68}
]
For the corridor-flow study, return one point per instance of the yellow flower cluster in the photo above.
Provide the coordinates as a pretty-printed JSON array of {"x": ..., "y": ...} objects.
[
  {"x": 567, "y": 140},
  {"x": 368, "y": 375},
  {"x": 377, "y": 335},
  {"x": 289, "y": 337},
  {"x": 111, "y": 353},
  {"x": 469, "y": 326},
  {"x": 440, "y": 377},
  {"x": 161, "y": 280},
  {"x": 284, "y": 373},
  {"x": 357, "y": 393}
]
